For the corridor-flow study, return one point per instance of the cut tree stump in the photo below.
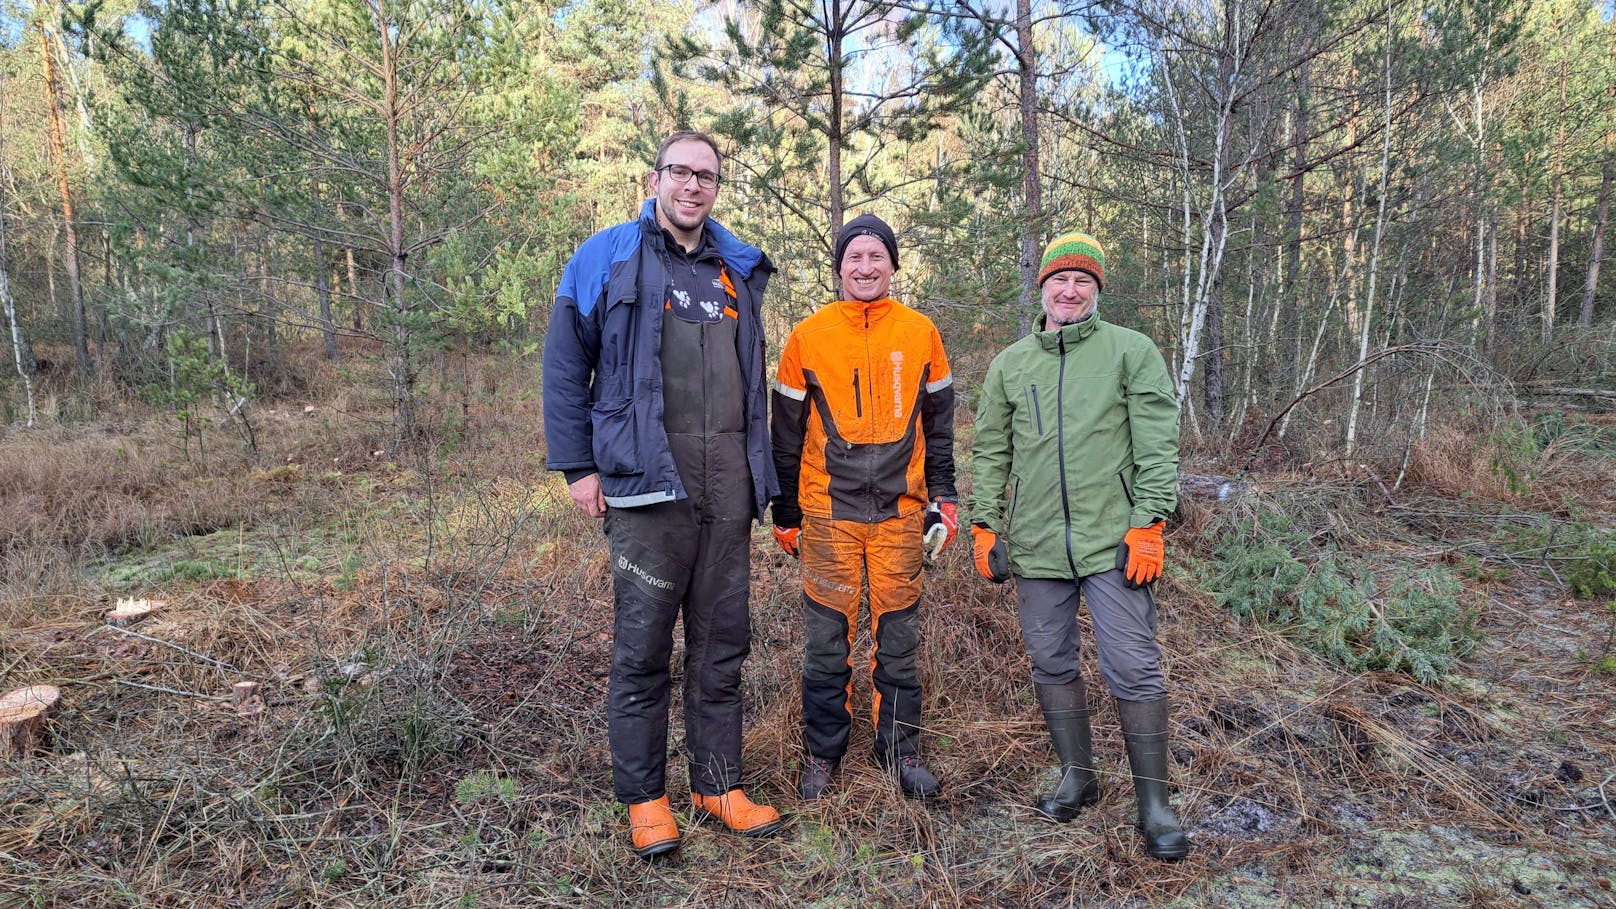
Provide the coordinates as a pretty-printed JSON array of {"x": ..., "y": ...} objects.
[
  {"x": 132, "y": 612},
  {"x": 245, "y": 698},
  {"x": 24, "y": 714}
]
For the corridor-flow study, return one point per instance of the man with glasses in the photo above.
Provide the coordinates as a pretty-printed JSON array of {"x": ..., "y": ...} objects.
[{"x": 654, "y": 409}]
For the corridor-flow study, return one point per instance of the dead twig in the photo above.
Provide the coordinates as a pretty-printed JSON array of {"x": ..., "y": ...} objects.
[
  {"x": 173, "y": 646},
  {"x": 161, "y": 689}
]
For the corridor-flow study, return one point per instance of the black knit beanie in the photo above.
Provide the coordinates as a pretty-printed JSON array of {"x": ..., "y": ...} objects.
[{"x": 866, "y": 225}]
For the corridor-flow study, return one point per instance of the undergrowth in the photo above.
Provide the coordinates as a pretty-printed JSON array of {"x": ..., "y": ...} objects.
[
  {"x": 1279, "y": 565},
  {"x": 1592, "y": 573},
  {"x": 432, "y": 643}
]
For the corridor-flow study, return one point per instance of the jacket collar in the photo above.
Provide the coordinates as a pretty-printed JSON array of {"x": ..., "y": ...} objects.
[
  {"x": 1066, "y": 335},
  {"x": 860, "y": 313},
  {"x": 741, "y": 257}
]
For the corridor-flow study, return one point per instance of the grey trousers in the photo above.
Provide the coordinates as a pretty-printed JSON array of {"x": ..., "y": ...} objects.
[{"x": 1124, "y": 631}]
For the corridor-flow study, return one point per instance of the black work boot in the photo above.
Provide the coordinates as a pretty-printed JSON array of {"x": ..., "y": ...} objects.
[
  {"x": 1144, "y": 729},
  {"x": 1066, "y": 711},
  {"x": 816, "y": 775},
  {"x": 913, "y": 778}
]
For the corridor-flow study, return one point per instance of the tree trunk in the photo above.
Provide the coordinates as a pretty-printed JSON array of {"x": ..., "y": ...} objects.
[
  {"x": 1374, "y": 251},
  {"x": 1032, "y": 226},
  {"x": 1552, "y": 300},
  {"x": 322, "y": 289},
  {"x": 272, "y": 303},
  {"x": 1479, "y": 193},
  {"x": 1289, "y": 343},
  {"x": 353, "y": 289},
  {"x": 21, "y": 356},
  {"x": 1213, "y": 345},
  {"x": 835, "y": 125},
  {"x": 402, "y": 363},
  {"x": 1601, "y": 223},
  {"x": 58, "y": 139},
  {"x": 1251, "y": 333},
  {"x": 1228, "y": 71},
  {"x": 1349, "y": 241}
]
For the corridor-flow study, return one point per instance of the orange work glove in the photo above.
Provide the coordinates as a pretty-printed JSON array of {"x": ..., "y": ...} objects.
[
  {"x": 992, "y": 555},
  {"x": 787, "y": 538},
  {"x": 942, "y": 522},
  {"x": 1145, "y": 554}
]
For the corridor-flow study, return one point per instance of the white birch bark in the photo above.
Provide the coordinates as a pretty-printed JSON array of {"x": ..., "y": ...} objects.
[
  {"x": 11, "y": 316},
  {"x": 1374, "y": 254}
]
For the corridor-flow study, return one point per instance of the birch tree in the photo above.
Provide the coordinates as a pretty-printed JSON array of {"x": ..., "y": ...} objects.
[{"x": 21, "y": 358}]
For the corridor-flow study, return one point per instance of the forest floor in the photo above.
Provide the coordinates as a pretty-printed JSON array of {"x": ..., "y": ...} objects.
[{"x": 430, "y": 630}]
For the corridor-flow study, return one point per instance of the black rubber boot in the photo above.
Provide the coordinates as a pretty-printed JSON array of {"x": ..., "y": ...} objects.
[
  {"x": 1066, "y": 711},
  {"x": 1144, "y": 729}
]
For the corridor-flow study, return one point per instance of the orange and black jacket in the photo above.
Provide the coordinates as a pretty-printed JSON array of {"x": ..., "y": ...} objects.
[{"x": 863, "y": 424}]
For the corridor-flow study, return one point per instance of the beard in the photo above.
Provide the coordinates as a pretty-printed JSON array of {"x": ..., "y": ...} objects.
[{"x": 1055, "y": 320}]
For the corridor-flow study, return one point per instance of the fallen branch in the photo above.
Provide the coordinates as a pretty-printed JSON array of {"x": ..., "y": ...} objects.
[
  {"x": 159, "y": 688},
  {"x": 190, "y": 653},
  {"x": 1574, "y": 392}
]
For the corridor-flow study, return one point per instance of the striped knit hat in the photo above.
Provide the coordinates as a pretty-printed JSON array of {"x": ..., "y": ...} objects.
[{"x": 1074, "y": 250}]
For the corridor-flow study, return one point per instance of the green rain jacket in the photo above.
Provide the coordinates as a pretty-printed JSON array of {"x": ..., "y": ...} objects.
[{"x": 1076, "y": 442}]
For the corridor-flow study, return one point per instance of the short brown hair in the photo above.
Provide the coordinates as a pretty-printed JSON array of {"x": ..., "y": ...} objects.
[{"x": 688, "y": 135}]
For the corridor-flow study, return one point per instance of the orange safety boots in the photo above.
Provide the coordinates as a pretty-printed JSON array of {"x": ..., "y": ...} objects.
[
  {"x": 652, "y": 828},
  {"x": 739, "y": 813}
]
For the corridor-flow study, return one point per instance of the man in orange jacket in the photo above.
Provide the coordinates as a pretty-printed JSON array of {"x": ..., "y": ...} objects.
[{"x": 863, "y": 434}]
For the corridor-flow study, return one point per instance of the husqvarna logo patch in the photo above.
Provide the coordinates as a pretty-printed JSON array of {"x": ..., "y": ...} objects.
[
  {"x": 897, "y": 384},
  {"x": 623, "y": 564}
]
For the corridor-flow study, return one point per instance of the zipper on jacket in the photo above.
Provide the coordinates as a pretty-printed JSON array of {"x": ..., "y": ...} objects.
[
  {"x": 1037, "y": 412},
  {"x": 1060, "y": 449},
  {"x": 858, "y": 411},
  {"x": 706, "y": 399},
  {"x": 1126, "y": 493},
  {"x": 858, "y": 402}
]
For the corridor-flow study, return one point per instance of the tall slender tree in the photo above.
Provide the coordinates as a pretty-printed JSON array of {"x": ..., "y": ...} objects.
[
  {"x": 837, "y": 83},
  {"x": 48, "y": 47}
]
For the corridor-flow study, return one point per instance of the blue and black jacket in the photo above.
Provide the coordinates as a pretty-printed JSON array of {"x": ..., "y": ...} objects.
[{"x": 603, "y": 370}]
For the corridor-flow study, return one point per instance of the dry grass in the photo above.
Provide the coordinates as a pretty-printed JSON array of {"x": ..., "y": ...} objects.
[{"x": 468, "y": 644}]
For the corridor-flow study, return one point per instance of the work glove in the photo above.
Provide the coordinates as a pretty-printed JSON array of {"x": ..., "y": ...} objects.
[
  {"x": 992, "y": 555},
  {"x": 1141, "y": 554},
  {"x": 786, "y": 537},
  {"x": 942, "y": 522}
]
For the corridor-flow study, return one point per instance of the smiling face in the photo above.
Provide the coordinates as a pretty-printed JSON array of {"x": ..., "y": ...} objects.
[
  {"x": 1069, "y": 296},
  {"x": 682, "y": 208},
  {"x": 866, "y": 270}
]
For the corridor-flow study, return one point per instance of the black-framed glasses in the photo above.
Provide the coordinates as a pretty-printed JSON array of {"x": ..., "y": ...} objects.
[{"x": 681, "y": 174}]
